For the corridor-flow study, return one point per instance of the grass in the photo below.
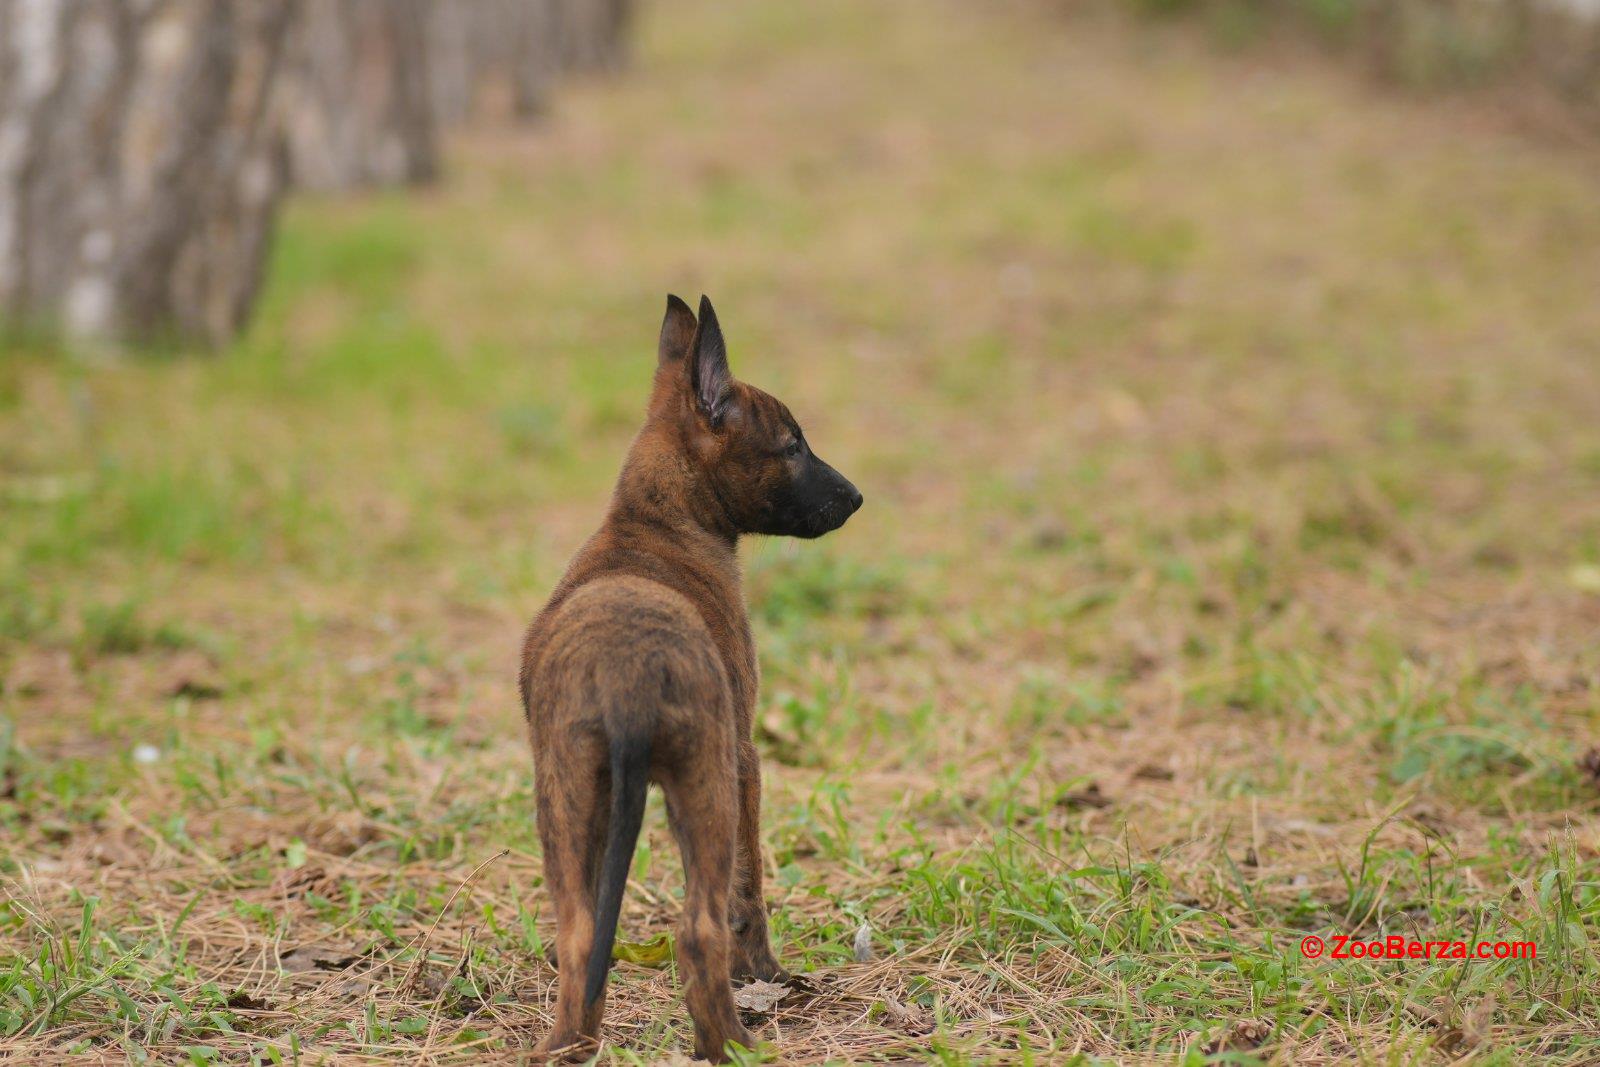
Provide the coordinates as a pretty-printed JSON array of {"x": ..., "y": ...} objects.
[{"x": 1227, "y": 572}]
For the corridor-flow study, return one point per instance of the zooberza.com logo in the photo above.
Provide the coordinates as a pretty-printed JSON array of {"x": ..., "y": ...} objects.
[{"x": 1400, "y": 947}]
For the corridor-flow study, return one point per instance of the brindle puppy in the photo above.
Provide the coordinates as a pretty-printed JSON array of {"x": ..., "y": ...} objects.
[{"x": 641, "y": 669}]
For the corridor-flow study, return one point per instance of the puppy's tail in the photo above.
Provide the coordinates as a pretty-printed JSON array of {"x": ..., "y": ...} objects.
[{"x": 630, "y": 762}]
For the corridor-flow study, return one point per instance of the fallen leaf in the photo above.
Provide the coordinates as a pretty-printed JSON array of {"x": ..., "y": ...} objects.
[
  {"x": 807, "y": 986},
  {"x": 190, "y": 674},
  {"x": 1590, "y": 765},
  {"x": 36, "y": 672},
  {"x": 341, "y": 833},
  {"x": 239, "y": 1000},
  {"x": 433, "y": 982},
  {"x": 296, "y": 882},
  {"x": 908, "y": 1018},
  {"x": 863, "y": 944},
  {"x": 1049, "y": 535},
  {"x": 780, "y": 741},
  {"x": 118, "y": 849},
  {"x": 1460, "y": 1030},
  {"x": 759, "y": 998},
  {"x": 1585, "y": 577},
  {"x": 1121, "y": 408},
  {"x": 1153, "y": 772},
  {"x": 1242, "y": 1035},
  {"x": 652, "y": 953},
  {"x": 315, "y": 958},
  {"x": 1478, "y": 1021},
  {"x": 196, "y": 690},
  {"x": 1089, "y": 796}
]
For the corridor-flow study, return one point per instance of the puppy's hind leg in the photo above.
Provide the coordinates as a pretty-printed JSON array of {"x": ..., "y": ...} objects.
[
  {"x": 702, "y": 807},
  {"x": 572, "y": 818}
]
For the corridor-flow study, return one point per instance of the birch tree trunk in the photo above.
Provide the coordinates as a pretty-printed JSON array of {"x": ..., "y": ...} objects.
[
  {"x": 355, "y": 101},
  {"x": 594, "y": 33},
  {"x": 139, "y": 170},
  {"x": 145, "y": 144},
  {"x": 511, "y": 52},
  {"x": 492, "y": 52}
]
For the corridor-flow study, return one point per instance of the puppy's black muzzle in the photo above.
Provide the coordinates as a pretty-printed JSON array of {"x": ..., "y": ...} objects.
[{"x": 839, "y": 501}]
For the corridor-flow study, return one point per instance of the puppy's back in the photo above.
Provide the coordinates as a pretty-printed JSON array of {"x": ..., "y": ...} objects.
[{"x": 625, "y": 655}]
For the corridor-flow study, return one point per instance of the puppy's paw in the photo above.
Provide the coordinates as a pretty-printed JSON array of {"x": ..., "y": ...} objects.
[
  {"x": 565, "y": 1047},
  {"x": 719, "y": 1054},
  {"x": 758, "y": 965}
]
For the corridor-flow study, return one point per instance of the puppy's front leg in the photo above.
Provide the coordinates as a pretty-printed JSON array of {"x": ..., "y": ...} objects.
[{"x": 752, "y": 949}]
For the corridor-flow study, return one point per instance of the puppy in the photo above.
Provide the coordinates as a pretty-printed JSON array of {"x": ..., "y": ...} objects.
[{"x": 641, "y": 669}]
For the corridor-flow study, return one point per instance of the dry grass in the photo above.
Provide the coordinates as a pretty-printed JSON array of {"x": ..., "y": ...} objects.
[{"x": 1228, "y": 570}]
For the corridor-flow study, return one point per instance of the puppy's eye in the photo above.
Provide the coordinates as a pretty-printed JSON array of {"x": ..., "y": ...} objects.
[{"x": 792, "y": 450}]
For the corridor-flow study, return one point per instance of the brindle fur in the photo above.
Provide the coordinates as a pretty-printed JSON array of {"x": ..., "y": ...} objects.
[{"x": 641, "y": 668}]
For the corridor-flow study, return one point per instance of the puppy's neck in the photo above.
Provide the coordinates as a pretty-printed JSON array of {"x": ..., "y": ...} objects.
[{"x": 663, "y": 488}]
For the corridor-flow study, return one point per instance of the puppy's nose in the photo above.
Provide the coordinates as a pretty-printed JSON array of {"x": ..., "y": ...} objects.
[{"x": 855, "y": 500}]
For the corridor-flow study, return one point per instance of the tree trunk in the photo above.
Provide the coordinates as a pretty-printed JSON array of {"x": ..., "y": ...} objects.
[
  {"x": 506, "y": 54},
  {"x": 594, "y": 33},
  {"x": 356, "y": 104},
  {"x": 139, "y": 173},
  {"x": 452, "y": 48},
  {"x": 144, "y": 144}
]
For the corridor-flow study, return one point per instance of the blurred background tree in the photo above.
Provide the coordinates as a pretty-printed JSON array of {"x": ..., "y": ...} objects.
[
  {"x": 145, "y": 144},
  {"x": 1435, "y": 43},
  {"x": 355, "y": 100},
  {"x": 139, "y": 164}
]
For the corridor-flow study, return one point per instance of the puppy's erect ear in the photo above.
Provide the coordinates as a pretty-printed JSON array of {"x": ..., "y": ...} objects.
[
  {"x": 710, "y": 381},
  {"x": 677, "y": 332}
]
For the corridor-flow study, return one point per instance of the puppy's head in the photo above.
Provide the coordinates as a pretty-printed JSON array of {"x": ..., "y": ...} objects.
[{"x": 749, "y": 447}]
